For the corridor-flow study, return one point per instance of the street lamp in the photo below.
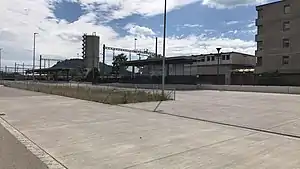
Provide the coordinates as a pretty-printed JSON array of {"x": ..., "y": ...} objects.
[
  {"x": 33, "y": 56},
  {"x": 0, "y": 59},
  {"x": 164, "y": 50},
  {"x": 139, "y": 55},
  {"x": 135, "y": 39},
  {"x": 218, "y": 66},
  {"x": 1, "y": 71}
]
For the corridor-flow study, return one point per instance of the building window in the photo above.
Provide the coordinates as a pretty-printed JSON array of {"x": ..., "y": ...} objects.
[
  {"x": 213, "y": 58},
  {"x": 202, "y": 59},
  {"x": 286, "y": 26},
  {"x": 287, "y": 9},
  {"x": 285, "y": 43},
  {"x": 259, "y": 13},
  {"x": 285, "y": 60},
  {"x": 259, "y": 45},
  {"x": 208, "y": 58},
  {"x": 260, "y": 29},
  {"x": 223, "y": 57},
  {"x": 227, "y": 57},
  {"x": 259, "y": 61}
]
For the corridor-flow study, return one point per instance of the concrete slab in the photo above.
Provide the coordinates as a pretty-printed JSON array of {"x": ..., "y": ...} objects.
[
  {"x": 252, "y": 151},
  {"x": 275, "y": 112},
  {"x": 82, "y": 134}
]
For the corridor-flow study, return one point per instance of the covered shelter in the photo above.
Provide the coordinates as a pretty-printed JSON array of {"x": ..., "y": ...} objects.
[
  {"x": 54, "y": 73},
  {"x": 153, "y": 65},
  {"x": 158, "y": 61}
]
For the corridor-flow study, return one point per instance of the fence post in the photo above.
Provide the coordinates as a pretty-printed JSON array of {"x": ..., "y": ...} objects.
[
  {"x": 50, "y": 89},
  {"x": 135, "y": 95},
  {"x": 174, "y": 94},
  {"x": 89, "y": 92}
]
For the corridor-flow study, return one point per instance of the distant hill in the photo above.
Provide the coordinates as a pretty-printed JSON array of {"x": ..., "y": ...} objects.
[{"x": 78, "y": 63}]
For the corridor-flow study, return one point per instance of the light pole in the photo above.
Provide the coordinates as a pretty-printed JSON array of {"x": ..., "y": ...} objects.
[
  {"x": 135, "y": 39},
  {"x": 218, "y": 66},
  {"x": 1, "y": 71},
  {"x": 164, "y": 50},
  {"x": 33, "y": 56},
  {"x": 156, "y": 47},
  {"x": 0, "y": 59}
]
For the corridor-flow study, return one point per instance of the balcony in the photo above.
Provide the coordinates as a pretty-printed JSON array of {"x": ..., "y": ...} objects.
[
  {"x": 258, "y": 37},
  {"x": 258, "y": 22},
  {"x": 259, "y": 53}
]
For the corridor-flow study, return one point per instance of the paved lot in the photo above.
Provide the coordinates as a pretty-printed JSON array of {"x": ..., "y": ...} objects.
[
  {"x": 273, "y": 112},
  {"x": 84, "y": 134}
]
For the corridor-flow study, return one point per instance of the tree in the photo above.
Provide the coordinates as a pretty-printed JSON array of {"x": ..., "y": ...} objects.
[{"x": 118, "y": 63}]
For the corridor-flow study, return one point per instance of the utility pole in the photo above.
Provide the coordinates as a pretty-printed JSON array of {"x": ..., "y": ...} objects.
[
  {"x": 33, "y": 56},
  {"x": 94, "y": 55},
  {"x": 135, "y": 39},
  {"x": 23, "y": 68},
  {"x": 164, "y": 49},
  {"x": 103, "y": 60},
  {"x": 156, "y": 47},
  {"x": 0, "y": 59},
  {"x": 1, "y": 70},
  {"x": 218, "y": 66},
  {"x": 40, "y": 67}
]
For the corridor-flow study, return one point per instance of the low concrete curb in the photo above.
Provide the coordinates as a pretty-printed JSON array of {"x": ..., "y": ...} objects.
[
  {"x": 19, "y": 152},
  {"x": 238, "y": 88},
  {"x": 258, "y": 89}
]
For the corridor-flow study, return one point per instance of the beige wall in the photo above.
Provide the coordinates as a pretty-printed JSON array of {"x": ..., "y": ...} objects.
[
  {"x": 272, "y": 34},
  {"x": 209, "y": 70},
  {"x": 204, "y": 68},
  {"x": 243, "y": 59}
]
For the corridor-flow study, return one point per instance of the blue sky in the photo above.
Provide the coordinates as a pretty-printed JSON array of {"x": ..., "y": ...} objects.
[
  {"x": 193, "y": 18},
  {"x": 194, "y": 26}
]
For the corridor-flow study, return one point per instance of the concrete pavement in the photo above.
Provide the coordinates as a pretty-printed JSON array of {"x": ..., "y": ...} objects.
[
  {"x": 265, "y": 111},
  {"x": 88, "y": 135}
]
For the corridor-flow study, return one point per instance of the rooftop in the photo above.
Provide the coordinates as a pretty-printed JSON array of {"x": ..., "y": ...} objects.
[
  {"x": 270, "y": 3},
  {"x": 176, "y": 59},
  {"x": 156, "y": 61}
]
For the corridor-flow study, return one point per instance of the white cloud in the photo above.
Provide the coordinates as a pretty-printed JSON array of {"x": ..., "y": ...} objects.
[
  {"x": 233, "y": 31},
  {"x": 209, "y": 31},
  {"x": 138, "y": 30},
  {"x": 220, "y": 4},
  {"x": 232, "y": 22},
  {"x": 192, "y": 25},
  {"x": 122, "y": 8},
  {"x": 62, "y": 39},
  {"x": 251, "y": 25}
]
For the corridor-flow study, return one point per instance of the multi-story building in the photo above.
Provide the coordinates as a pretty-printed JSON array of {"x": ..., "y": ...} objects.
[{"x": 278, "y": 37}]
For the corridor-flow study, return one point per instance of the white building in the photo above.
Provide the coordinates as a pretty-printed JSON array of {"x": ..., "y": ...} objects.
[{"x": 198, "y": 65}]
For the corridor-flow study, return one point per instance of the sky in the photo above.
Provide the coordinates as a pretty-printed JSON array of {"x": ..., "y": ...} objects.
[{"x": 193, "y": 26}]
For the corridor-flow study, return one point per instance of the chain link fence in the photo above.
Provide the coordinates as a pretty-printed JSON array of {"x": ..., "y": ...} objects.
[{"x": 97, "y": 93}]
